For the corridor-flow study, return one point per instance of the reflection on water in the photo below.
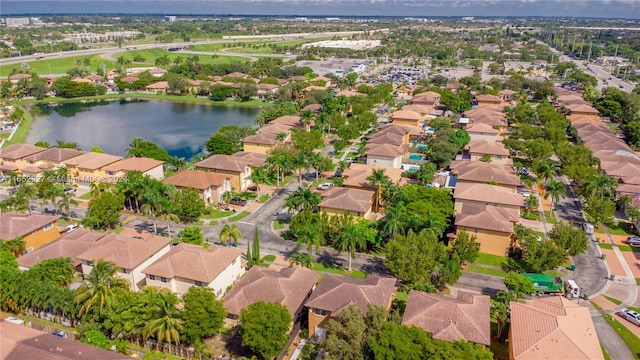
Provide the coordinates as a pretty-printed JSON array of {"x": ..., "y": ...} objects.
[{"x": 180, "y": 128}]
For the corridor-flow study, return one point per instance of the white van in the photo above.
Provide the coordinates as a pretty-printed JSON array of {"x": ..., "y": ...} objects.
[{"x": 588, "y": 228}]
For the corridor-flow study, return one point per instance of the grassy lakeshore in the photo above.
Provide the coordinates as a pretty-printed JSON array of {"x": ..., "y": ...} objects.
[
  {"x": 152, "y": 96},
  {"x": 21, "y": 132}
]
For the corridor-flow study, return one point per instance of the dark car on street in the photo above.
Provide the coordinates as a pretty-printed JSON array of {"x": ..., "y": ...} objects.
[{"x": 238, "y": 201}]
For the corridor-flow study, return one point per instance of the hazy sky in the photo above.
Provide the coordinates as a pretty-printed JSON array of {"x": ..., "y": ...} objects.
[{"x": 577, "y": 8}]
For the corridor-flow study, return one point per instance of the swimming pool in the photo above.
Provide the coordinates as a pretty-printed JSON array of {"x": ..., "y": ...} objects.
[
  {"x": 410, "y": 168},
  {"x": 421, "y": 146},
  {"x": 416, "y": 157}
]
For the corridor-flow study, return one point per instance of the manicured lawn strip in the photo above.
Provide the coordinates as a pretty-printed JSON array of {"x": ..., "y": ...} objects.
[
  {"x": 216, "y": 214},
  {"x": 613, "y": 300},
  {"x": 636, "y": 309},
  {"x": 533, "y": 215},
  {"x": 632, "y": 341},
  {"x": 629, "y": 248},
  {"x": 338, "y": 270},
  {"x": 264, "y": 198},
  {"x": 255, "y": 103},
  {"x": 604, "y": 353},
  {"x": 269, "y": 258},
  {"x": 486, "y": 271},
  {"x": 21, "y": 132},
  {"x": 488, "y": 259},
  {"x": 596, "y": 306},
  {"x": 197, "y": 223},
  {"x": 208, "y": 47},
  {"x": 620, "y": 228},
  {"x": 278, "y": 224},
  {"x": 85, "y": 196},
  {"x": 240, "y": 216},
  {"x": 150, "y": 56},
  {"x": 53, "y": 64},
  {"x": 608, "y": 246},
  {"x": 638, "y": 281}
]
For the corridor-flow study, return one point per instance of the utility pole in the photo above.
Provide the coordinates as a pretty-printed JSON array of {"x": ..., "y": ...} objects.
[
  {"x": 581, "y": 47},
  {"x": 574, "y": 44},
  {"x": 615, "y": 57},
  {"x": 589, "y": 56}
]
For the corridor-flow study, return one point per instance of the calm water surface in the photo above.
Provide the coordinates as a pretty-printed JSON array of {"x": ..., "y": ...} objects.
[{"x": 180, "y": 128}]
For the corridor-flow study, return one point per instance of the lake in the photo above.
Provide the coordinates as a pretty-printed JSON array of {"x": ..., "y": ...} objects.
[{"x": 180, "y": 128}]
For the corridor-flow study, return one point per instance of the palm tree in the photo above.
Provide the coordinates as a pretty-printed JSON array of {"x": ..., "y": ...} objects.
[
  {"x": 307, "y": 117},
  {"x": 100, "y": 287},
  {"x": 377, "y": 179},
  {"x": 260, "y": 175},
  {"x": 15, "y": 246},
  {"x": 301, "y": 259},
  {"x": 601, "y": 185},
  {"x": 546, "y": 170},
  {"x": 302, "y": 199},
  {"x": 123, "y": 62},
  {"x": 394, "y": 221},
  {"x": 169, "y": 217},
  {"x": 230, "y": 232},
  {"x": 350, "y": 239},
  {"x": 555, "y": 190},
  {"x": 166, "y": 325},
  {"x": 532, "y": 203},
  {"x": 178, "y": 163},
  {"x": 65, "y": 202},
  {"x": 151, "y": 209},
  {"x": 98, "y": 188},
  {"x": 135, "y": 147},
  {"x": 311, "y": 235}
]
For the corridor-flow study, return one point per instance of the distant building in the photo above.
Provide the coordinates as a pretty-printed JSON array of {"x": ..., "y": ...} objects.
[
  {"x": 338, "y": 67},
  {"x": 17, "y": 22},
  {"x": 170, "y": 19},
  {"x": 345, "y": 44}
]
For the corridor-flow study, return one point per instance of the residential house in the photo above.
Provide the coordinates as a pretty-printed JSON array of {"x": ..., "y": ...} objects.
[
  {"x": 493, "y": 226},
  {"x": 160, "y": 86},
  {"x": 488, "y": 99},
  {"x": 261, "y": 142},
  {"x": 12, "y": 157},
  {"x": 582, "y": 109},
  {"x": 209, "y": 185},
  {"x": 429, "y": 98},
  {"x": 354, "y": 202},
  {"x": 70, "y": 244},
  {"x": 289, "y": 286},
  {"x": 465, "y": 317},
  {"x": 334, "y": 293},
  {"x": 552, "y": 327},
  {"x": 507, "y": 95},
  {"x": 36, "y": 229},
  {"x": 479, "y": 150},
  {"x": 130, "y": 254},
  {"x": 486, "y": 173},
  {"x": 48, "y": 159},
  {"x": 90, "y": 167},
  {"x": 187, "y": 265},
  {"x": 129, "y": 79},
  {"x": 238, "y": 166},
  {"x": 21, "y": 342},
  {"x": 151, "y": 167},
  {"x": 385, "y": 155},
  {"x": 15, "y": 78},
  {"x": 486, "y": 194},
  {"x": 266, "y": 90},
  {"x": 426, "y": 111},
  {"x": 157, "y": 72},
  {"x": 291, "y": 121},
  {"x": 237, "y": 75},
  {"x": 482, "y": 131},
  {"x": 356, "y": 175},
  {"x": 406, "y": 117},
  {"x": 316, "y": 108}
]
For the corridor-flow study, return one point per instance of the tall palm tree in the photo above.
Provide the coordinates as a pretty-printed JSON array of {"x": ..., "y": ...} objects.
[
  {"x": 307, "y": 117},
  {"x": 394, "y": 221},
  {"x": 166, "y": 325},
  {"x": 555, "y": 190},
  {"x": 378, "y": 179},
  {"x": 301, "y": 259},
  {"x": 151, "y": 209},
  {"x": 230, "y": 232},
  {"x": 100, "y": 288},
  {"x": 169, "y": 217},
  {"x": 64, "y": 204},
  {"x": 302, "y": 199},
  {"x": 260, "y": 175},
  {"x": 601, "y": 185},
  {"x": 135, "y": 146},
  {"x": 311, "y": 235},
  {"x": 350, "y": 239},
  {"x": 178, "y": 163},
  {"x": 98, "y": 188},
  {"x": 546, "y": 170}
]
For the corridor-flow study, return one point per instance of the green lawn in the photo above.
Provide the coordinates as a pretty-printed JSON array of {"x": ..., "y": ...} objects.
[
  {"x": 264, "y": 198},
  {"x": 533, "y": 215},
  {"x": 486, "y": 271},
  {"x": 239, "y": 216},
  {"x": 638, "y": 281},
  {"x": 402, "y": 295},
  {"x": 596, "y": 306},
  {"x": 607, "y": 246},
  {"x": 269, "y": 258},
  {"x": 21, "y": 132},
  {"x": 278, "y": 224},
  {"x": 150, "y": 56},
  {"x": 621, "y": 228},
  {"x": 338, "y": 270},
  {"x": 165, "y": 97},
  {"x": 502, "y": 262},
  {"x": 52, "y": 64},
  {"x": 85, "y": 196},
  {"x": 632, "y": 341},
  {"x": 216, "y": 214},
  {"x": 629, "y": 248},
  {"x": 605, "y": 354},
  {"x": 613, "y": 300},
  {"x": 208, "y": 47}
]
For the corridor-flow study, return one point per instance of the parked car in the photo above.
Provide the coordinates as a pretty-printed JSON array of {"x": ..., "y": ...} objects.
[
  {"x": 69, "y": 191},
  {"x": 631, "y": 316},
  {"x": 633, "y": 240},
  {"x": 349, "y": 160},
  {"x": 324, "y": 186},
  {"x": 238, "y": 201},
  {"x": 71, "y": 227},
  {"x": 588, "y": 228},
  {"x": 253, "y": 188}
]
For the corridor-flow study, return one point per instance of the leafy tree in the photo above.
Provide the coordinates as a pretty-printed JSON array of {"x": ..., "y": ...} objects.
[
  {"x": 307, "y": 141},
  {"x": 500, "y": 305},
  {"x": 450, "y": 270},
  {"x": 219, "y": 145},
  {"x": 518, "y": 284},
  {"x": 415, "y": 256},
  {"x": 100, "y": 288},
  {"x": 296, "y": 259},
  {"x": 466, "y": 247},
  {"x": 541, "y": 255},
  {"x": 203, "y": 314},
  {"x": 555, "y": 190},
  {"x": 143, "y": 148},
  {"x": 460, "y": 138},
  {"x": 346, "y": 335},
  {"x": 95, "y": 338},
  {"x": 230, "y": 232},
  {"x": 425, "y": 173},
  {"x": 599, "y": 210},
  {"x": 264, "y": 328},
  {"x": 573, "y": 241},
  {"x": 302, "y": 199},
  {"x": 188, "y": 204},
  {"x": 104, "y": 211},
  {"x": 15, "y": 246},
  {"x": 7, "y": 260},
  {"x": 96, "y": 149},
  {"x": 192, "y": 235}
]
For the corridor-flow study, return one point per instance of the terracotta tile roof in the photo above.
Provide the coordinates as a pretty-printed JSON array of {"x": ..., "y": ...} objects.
[
  {"x": 313, "y": 107},
  {"x": 69, "y": 245},
  {"x": 160, "y": 85},
  {"x": 506, "y": 92},
  {"x": 196, "y": 179},
  {"x": 487, "y": 147},
  {"x": 262, "y": 138},
  {"x": 141, "y": 164},
  {"x": 289, "y": 286},
  {"x": 349, "y": 93},
  {"x": 427, "y": 95},
  {"x": 288, "y": 120},
  {"x": 486, "y": 193},
  {"x": 129, "y": 79},
  {"x": 17, "y": 224},
  {"x": 24, "y": 343},
  {"x": 19, "y": 151},
  {"x": 405, "y": 115},
  {"x": 420, "y": 109},
  {"x": 397, "y": 129},
  {"x": 157, "y": 71},
  {"x": 481, "y": 128},
  {"x": 478, "y": 171},
  {"x": 385, "y": 150},
  {"x": 46, "y": 166},
  {"x": 223, "y": 162},
  {"x": 298, "y": 78},
  {"x": 623, "y": 170},
  {"x": 30, "y": 169},
  {"x": 194, "y": 262},
  {"x": 494, "y": 110},
  {"x": 237, "y": 75},
  {"x": 19, "y": 76},
  {"x": 553, "y": 328},
  {"x": 487, "y": 217},
  {"x": 582, "y": 108},
  {"x": 321, "y": 78},
  {"x": 488, "y": 98},
  {"x": 386, "y": 138},
  {"x": 335, "y": 293},
  {"x": 266, "y": 86},
  {"x": 489, "y": 119},
  {"x": 255, "y": 159},
  {"x": 8, "y": 167},
  {"x": 274, "y": 129},
  {"x": 312, "y": 88},
  {"x": 92, "y": 161},
  {"x": 356, "y": 175},
  {"x": 347, "y": 199},
  {"x": 465, "y": 317},
  {"x": 55, "y": 155},
  {"x": 605, "y": 143},
  {"x": 81, "y": 80},
  {"x": 125, "y": 251}
]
